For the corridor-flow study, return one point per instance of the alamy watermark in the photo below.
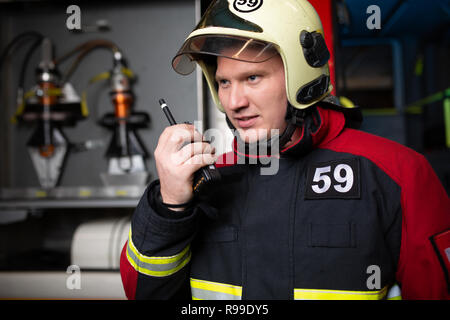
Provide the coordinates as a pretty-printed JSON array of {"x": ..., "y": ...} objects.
[
  {"x": 374, "y": 280},
  {"x": 374, "y": 20},
  {"x": 73, "y": 21},
  {"x": 73, "y": 281}
]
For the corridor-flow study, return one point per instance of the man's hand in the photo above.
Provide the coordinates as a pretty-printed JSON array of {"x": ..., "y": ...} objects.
[{"x": 179, "y": 153}]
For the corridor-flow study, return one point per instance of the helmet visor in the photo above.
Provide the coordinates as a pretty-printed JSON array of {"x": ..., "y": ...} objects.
[{"x": 233, "y": 47}]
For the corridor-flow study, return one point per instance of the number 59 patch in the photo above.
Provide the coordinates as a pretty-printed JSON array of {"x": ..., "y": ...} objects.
[{"x": 339, "y": 179}]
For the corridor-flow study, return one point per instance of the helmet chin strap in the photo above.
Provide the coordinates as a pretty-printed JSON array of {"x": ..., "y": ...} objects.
[{"x": 294, "y": 118}]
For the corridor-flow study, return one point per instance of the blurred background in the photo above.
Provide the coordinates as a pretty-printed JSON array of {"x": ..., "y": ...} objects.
[{"x": 79, "y": 91}]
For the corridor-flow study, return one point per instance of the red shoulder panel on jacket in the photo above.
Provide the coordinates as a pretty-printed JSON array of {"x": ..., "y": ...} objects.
[
  {"x": 128, "y": 273},
  {"x": 392, "y": 157}
]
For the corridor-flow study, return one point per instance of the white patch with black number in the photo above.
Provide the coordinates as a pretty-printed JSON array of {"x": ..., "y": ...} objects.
[
  {"x": 247, "y": 5},
  {"x": 338, "y": 179}
]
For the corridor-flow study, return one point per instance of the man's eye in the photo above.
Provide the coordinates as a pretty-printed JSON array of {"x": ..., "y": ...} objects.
[
  {"x": 223, "y": 82},
  {"x": 253, "y": 78}
]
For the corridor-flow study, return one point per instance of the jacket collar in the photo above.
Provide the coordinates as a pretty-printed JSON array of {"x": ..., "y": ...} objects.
[{"x": 320, "y": 126}]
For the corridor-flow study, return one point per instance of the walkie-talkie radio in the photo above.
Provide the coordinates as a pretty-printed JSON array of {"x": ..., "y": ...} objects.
[{"x": 202, "y": 176}]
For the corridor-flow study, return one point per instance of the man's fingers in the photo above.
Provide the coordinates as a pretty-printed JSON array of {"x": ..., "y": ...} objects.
[
  {"x": 183, "y": 134},
  {"x": 200, "y": 160},
  {"x": 191, "y": 149}
]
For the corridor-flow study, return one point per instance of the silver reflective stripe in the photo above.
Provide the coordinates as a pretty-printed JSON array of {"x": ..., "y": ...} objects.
[
  {"x": 203, "y": 294},
  {"x": 394, "y": 293},
  {"x": 447, "y": 253},
  {"x": 209, "y": 290},
  {"x": 157, "y": 267}
]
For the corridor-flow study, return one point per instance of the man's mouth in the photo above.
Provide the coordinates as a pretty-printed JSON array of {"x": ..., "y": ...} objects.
[{"x": 246, "y": 122}]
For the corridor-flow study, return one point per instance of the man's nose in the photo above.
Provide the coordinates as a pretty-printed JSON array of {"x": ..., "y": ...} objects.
[{"x": 238, "y": 97}]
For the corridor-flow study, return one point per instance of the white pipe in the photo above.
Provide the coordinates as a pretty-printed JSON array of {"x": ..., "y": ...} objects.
[{"x": 98, "y": 244}]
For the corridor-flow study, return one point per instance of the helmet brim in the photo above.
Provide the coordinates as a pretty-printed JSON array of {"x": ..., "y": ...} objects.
[{"x": 228, "y": 46}]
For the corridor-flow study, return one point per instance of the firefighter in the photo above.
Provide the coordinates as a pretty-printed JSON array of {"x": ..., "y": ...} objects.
[{"x": 345, "y": 215}]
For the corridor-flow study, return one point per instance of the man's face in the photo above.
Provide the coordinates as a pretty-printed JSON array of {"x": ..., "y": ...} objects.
[{"x": 253, "y": 96}]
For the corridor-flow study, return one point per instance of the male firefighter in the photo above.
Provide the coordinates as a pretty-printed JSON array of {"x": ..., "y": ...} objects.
[{"x": 346, "y": 215}]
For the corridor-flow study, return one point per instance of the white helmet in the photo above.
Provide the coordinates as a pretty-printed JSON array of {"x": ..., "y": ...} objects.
[{"x": 290, "y": 28}]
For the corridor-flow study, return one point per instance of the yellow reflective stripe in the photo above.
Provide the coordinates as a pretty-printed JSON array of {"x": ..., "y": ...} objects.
[
  {"x": 155, "y": 260},
  {"x": 156, "y": 266},
  {"x": 318, "y": 294},
  {"x": 202, "y": 289}
]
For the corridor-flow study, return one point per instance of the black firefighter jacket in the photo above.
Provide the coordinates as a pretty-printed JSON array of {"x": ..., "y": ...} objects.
[{"x": 348, "y": 215}]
